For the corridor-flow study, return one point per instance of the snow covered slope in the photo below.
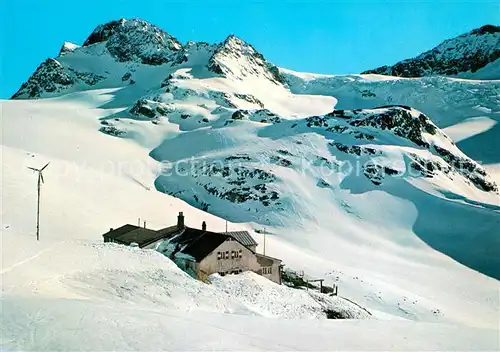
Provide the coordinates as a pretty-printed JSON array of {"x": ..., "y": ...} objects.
[
  {"x": 376, "y": 198},
  {"x": 467, "y": 110},
  {"x": 470, "y": 55}
]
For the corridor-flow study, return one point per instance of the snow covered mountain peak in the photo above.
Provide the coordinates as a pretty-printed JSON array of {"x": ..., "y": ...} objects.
[
  {"x": 238, "y": 59},
  {"x": 135, "y": 40},
  {"x": 68, "y": 47},
  {"x": 117, "y": 48},
  {"x": 471, "y": 55}
]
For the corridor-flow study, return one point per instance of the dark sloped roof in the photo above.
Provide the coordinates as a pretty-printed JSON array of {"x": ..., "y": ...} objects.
[
  {"x": 243, "y": 237},
  {"x": 204, "y": 245},
  {"x": 198, "y": 243},
  {"x": 170, "y": 231},
  {"x": 128, "y": 234},
  {"x": 186, "y": 236},
  {"x": 112, "y": 234}
]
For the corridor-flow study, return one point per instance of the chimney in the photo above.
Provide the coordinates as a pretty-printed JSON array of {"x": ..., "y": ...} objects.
[
  {"x": 180, "y": 220},
  {"x": 110, "y": 229},
  {"x": 204, "y": 226},
  {"x": 144, "y": 224}
]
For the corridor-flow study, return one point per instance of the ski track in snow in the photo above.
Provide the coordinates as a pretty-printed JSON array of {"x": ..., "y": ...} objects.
[{"x": 27, "y": 260}]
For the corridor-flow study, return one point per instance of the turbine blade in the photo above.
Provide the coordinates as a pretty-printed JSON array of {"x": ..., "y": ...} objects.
[
  {"x": 32, "y": 168},
  {"x": 41, "y": 177},
  {"x": 45, "y": 166}
]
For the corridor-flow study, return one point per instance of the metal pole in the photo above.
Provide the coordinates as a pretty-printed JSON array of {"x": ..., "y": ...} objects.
[
  {"x": 264, "y": 241},
  {"x": 38, "y": 211}
]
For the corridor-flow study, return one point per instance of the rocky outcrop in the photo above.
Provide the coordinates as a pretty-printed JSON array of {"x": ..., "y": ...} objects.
[
  {"x": 416, "y": 130},
  {"x": 151, "y": 108},
  {"x": 103, "y": 32},
  {"x": 466, "y": 53},
  {"x": 241, "y": 184},
  {"x": 52, "y": 77},
  {"x": 401, "y": 120},
  {"x": 136, "y": 41},
  {"x": 249, "y": 98}
]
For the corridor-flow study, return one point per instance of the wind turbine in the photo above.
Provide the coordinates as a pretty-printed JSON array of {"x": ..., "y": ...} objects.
[{"x": 39, "y": 185}]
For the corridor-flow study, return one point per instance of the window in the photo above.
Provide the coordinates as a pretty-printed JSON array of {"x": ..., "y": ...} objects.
[
  {"x": 266, "y": 271},
  {"x": 227, "y": 255},
  {"x": 240, "y": 254},
  {"x": 233, "y": 254},
  {"x": 219, "y": 255}
]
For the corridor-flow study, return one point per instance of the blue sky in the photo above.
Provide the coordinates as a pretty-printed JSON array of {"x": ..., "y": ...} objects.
[{"x": 312, "y": 36}]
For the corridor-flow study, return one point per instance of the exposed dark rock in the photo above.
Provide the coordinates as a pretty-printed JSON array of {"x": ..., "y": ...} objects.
[
  {"x": 338, "y": 113},
  {"x": 103, "y": 32},
  {"x": 367, "y": 93},
  {"x": 284, "y": 152},
  {"x": 488, "y": 28},
  {"x": 332, "y": 314},
  {"x": 468, "y": 52},
  {"x": 143, "y": 108},
  {"x": 427, "y": 168},
  {"x": 377, "y": 173},
  {"x": 239, "y": 115},
  {"x": 221, "y": 98},
  {"x": 88, "y": 78},
  {"x": 136, "y": 40},
  {"x": 250, "y": 98},
  {"x": 355, "y": 149},
  {"x": 406, "y": 107},
  {"x": 468, "y": 168},
  {"x": 360, "y": 135},
  {"x": 323, "y": 184},
  {"x": 278, "y": 160},
  {"x": 317, "y": 121},
  {"x": 126, "y": 76},
  {"x": 275, "y": 72},
  {"x": 112, "y": 131},
  {"x": 50, "y": 77},
  {"x": 238, "y": 157},
  {"x": 401, "y": 122}
]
